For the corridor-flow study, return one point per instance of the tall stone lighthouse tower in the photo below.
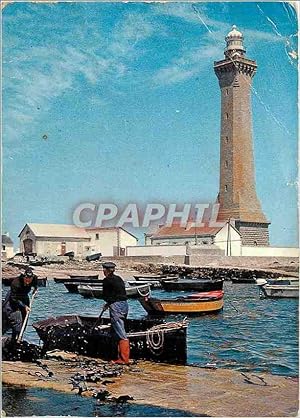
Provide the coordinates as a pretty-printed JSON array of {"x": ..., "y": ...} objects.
[{"x": 237, "y": 195}]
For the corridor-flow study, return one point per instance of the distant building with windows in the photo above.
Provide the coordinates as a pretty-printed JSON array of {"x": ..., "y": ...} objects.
[
  {"x": 57, "y": 239},
  {"x": 7, "y": 249}
]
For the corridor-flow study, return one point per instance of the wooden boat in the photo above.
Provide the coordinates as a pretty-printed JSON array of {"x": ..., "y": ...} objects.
[
  {"x": 41, "y": 281},
  {"x": 150, "y": 339},
  {"x": 90, "y": 291},
  {"x": 204, "y": 285},
  {"x": 283, "y": 281},
  {"x": 210, "y": 302},
  {"x": 243, "y": 280},
  {"x": 150, "y": 277},
  {"x": 93, "y": 257},
  {"x": 278, "y": 290},
  {"x": 85, "y": 279},
  {"x": 90, "y": 276}
]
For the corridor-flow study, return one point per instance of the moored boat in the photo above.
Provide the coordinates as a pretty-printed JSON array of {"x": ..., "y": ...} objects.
[
  {"x": 90, "y": 291},
  {"x": 209, "y": 302},
  {"x": 150, "y": 277},
  {"x": 78, "y": 279},
  {"x": 201, "y": 285},
  {"x": 278, "y": 290},
  {"x": 243, "y": 280},
  {"x": 150, "y": 339}
]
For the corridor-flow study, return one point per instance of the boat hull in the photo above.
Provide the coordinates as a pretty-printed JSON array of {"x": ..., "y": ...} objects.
[
  {"x": 149, "y": 339},
  {"x": 193, "y": 284},
  {"x": 97, "y": 291},
  {"x": 182, "y": 306},
  {"x": 278, "y": 291}
]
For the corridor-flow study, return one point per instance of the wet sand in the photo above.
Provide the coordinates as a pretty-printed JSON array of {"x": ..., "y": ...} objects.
[{"x": 213, "y": 392}]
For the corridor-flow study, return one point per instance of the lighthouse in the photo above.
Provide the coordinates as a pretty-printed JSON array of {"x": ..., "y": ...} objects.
[{"x": 237, "y": 190}]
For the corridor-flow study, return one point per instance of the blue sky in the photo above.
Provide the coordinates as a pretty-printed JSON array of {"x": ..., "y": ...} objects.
[{"x": 112, "y": 102}]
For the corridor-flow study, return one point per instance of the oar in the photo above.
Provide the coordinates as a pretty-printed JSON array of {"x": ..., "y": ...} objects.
[
  {"x": 99, "y": 318},
  {"x": 26, "y": 319}
]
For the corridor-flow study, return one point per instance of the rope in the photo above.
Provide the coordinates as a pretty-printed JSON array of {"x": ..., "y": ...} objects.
[
  {"x": 144, "y": 295},
  {"x": 156, "y": 347}
]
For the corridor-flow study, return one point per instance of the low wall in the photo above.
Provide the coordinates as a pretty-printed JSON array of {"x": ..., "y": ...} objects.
[
  {"x": 270, "y": 251},
  {"x": 160, "y": 250}
]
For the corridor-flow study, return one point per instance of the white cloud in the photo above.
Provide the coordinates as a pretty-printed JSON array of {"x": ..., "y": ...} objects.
[
  {"x": 189, "y": 64},
  {"x": 34, "y": 77}
]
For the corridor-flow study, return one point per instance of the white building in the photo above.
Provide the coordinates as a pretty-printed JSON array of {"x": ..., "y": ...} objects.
[
  {"x": 109, "y": 241},
  {"x": 7, "y": 249},
  {"x": 55, "y": 239},
  {"x": 226, "y": 237}
]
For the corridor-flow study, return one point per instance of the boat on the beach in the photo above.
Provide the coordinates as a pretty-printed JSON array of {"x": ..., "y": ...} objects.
[
  {"x": 200, "y": 303},
  {"x": 91, "y": 291},
  {"x": 93, "y": 257},
  {"x": 41, "y": 281},
  {"x": 150, "y": 339},
  {"x": 278, "y": 290},
  {"x": 200, "y": 285}
]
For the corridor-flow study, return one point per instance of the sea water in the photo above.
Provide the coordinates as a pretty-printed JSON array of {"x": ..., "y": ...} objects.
[{"x": 250, "y": 334}]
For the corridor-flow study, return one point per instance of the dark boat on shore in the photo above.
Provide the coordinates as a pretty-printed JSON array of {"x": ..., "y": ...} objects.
[
  {"x": 150, "y": 339},
  {"x": 83, "y": 279},
  {"x": 200, "y": 285},
  {"x": 93, "y": 257},
  {"x": 41, "y": 281},
  {"x": 199, "y": 303}
]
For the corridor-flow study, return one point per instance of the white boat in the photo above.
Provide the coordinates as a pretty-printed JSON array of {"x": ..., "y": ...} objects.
[
  {"x": 89, "y": 291},
  {"x": 280, "y": 289}
]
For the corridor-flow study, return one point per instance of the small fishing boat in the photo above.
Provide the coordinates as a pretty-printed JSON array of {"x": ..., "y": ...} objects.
[
  {"x": 41, "y": 281},
  {"x": 201, "y": 285},
  {"x": 150, "y": 277},
  {"x": 283, "y": 281},
  {"x": 278, "y": 290},
  {"x": 90, "y": 291},
  {"x": 200, "y": 303},
  {"x": 85, "y": 279},
  {"x": 243, "y": 280},
  {"x": 93, "y": 257},
  {"x": 150, "y": 339}
]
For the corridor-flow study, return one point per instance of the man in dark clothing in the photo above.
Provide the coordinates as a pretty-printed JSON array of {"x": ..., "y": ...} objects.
[
  {"x": 16, "y": 304},
  {"x": 114, "y": 294}
]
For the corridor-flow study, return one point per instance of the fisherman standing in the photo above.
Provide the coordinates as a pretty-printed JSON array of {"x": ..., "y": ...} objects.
[
  {"x": 114, "y": 294},
  {"x": 17, "y": 302}
]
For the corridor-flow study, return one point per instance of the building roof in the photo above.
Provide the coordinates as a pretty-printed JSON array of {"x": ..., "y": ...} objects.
[
  {"x": 179, "y": 231},
  {"x": 6, "y": 240},
  {"x": 57, "y": 230}
]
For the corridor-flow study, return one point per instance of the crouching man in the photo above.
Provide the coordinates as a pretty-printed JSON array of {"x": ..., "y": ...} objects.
[
  {"x": 16, "y": 304},
  {"x": 114, "y": 294}
]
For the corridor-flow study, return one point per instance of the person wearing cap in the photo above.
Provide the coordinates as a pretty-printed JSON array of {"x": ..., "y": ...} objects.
[
  {"x": 16, "y": 304},
  {"x": 114, "y": 294}
]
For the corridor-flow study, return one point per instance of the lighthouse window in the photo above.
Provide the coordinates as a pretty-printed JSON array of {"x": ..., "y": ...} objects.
[
  {"x": 227, "y": 92},
  {"x": 226, "y": 164},
  {"x": 227, "y": 139},
  {"x": 226, "y": 188},
  {"x": 226, "y": 115}
]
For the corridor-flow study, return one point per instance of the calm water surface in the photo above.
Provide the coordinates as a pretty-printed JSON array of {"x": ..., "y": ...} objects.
[{"x": 250, "y": 334}]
